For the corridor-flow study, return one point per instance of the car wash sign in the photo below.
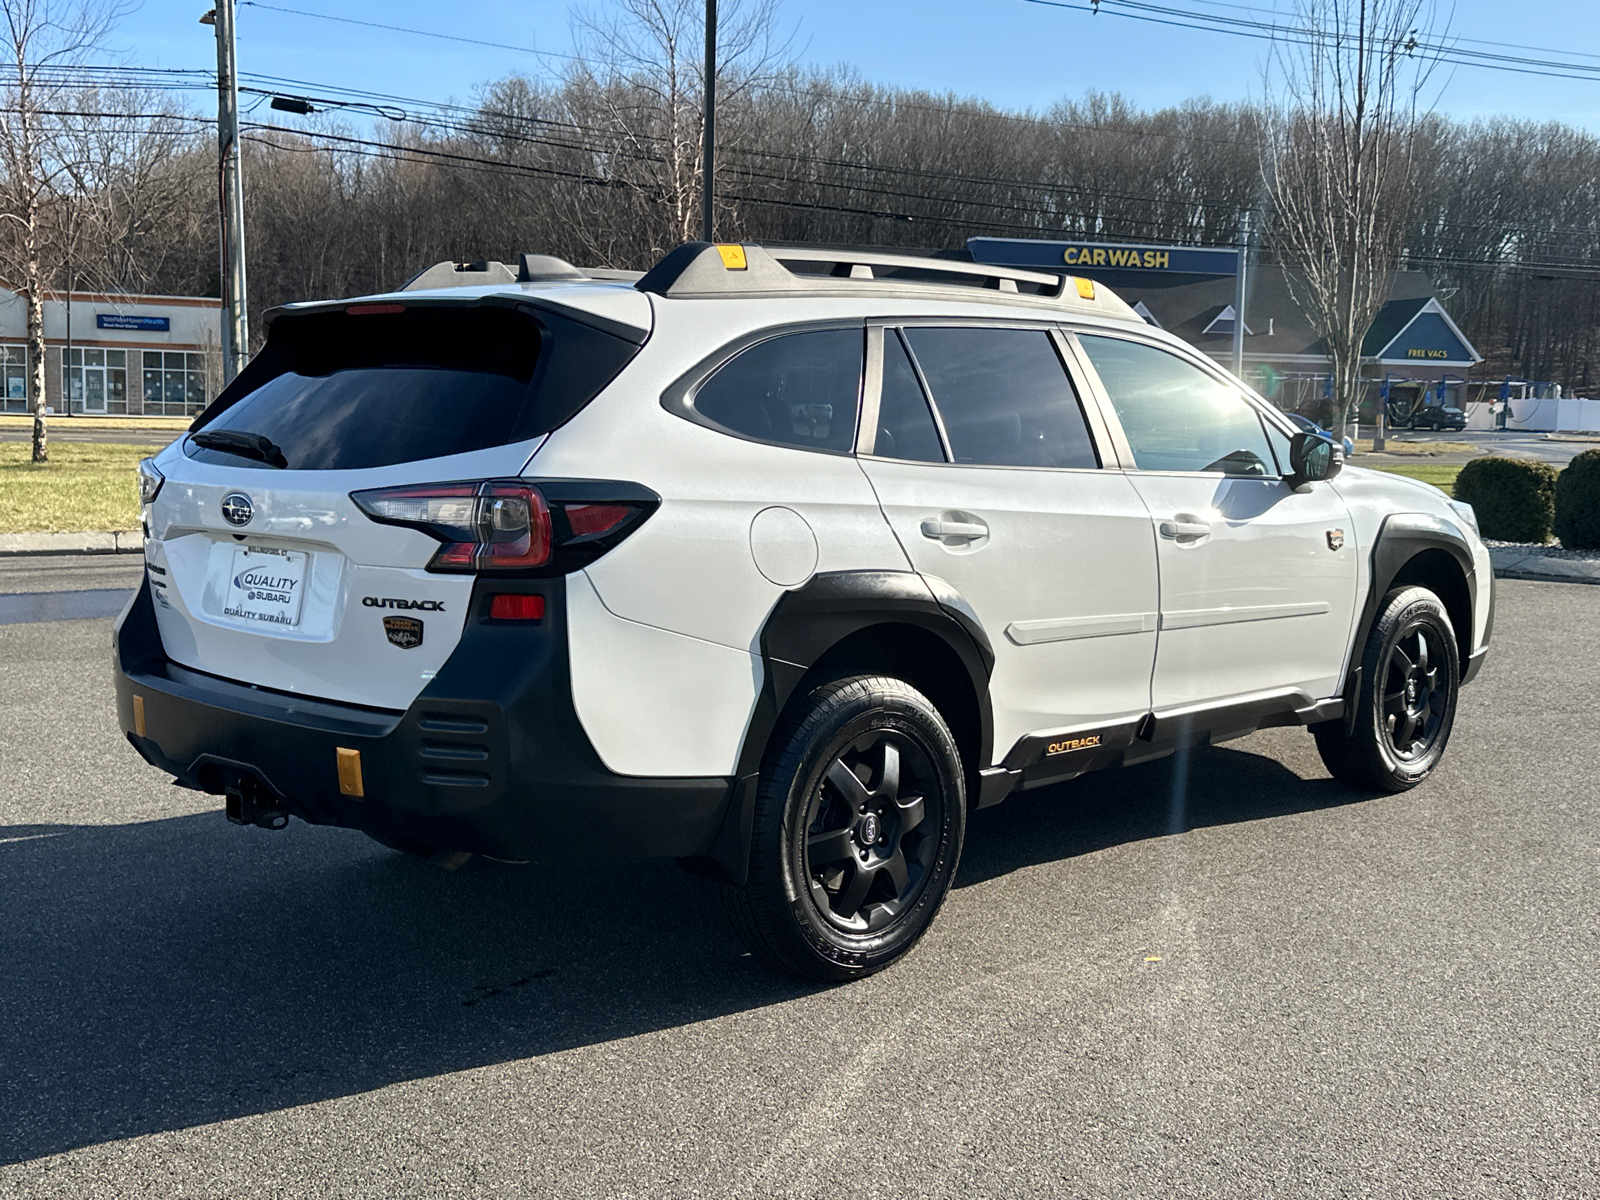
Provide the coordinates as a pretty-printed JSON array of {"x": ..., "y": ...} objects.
[{"x": 1082, "y": 257}]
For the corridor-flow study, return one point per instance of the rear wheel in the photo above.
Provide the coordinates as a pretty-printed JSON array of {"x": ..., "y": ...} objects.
[
  {"x": 1410, "y": 674},
  {"x": 859, "y": 822}
]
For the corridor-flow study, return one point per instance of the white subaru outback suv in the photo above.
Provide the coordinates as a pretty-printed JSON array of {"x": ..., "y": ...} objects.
[{"x": 775, "y": 560}]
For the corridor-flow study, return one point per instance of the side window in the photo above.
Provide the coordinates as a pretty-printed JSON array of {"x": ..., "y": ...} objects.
[
  {"x": 801, "y": 389},
  {"x": 1176, "y": 416},
  {"x": 905, "y": 425},
  {"x": 1004, "y": 396}
]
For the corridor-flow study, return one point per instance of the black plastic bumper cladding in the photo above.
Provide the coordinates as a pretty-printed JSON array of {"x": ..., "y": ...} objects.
[{"x": 490, "y": 758}]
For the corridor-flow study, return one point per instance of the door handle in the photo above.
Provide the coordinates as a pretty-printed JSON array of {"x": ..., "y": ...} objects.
[
  {"x": 935, "y": 528},
  {"x": 1182, "y": 526}
]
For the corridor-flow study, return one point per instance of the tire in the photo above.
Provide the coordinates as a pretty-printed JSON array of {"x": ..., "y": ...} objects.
[
  {"x": 859, "y": 821},
  {"x": 1410, "y": 678}
]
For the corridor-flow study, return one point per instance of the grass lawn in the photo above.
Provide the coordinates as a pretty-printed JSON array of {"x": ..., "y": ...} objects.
[
  {"x": 1441, "y": 475},
  {"x": 85, "y": 485},
  {"x": 1418, "y": 449}
]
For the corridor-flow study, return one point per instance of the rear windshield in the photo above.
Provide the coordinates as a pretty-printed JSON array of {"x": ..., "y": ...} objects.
[{"x": 345, "y": 390}]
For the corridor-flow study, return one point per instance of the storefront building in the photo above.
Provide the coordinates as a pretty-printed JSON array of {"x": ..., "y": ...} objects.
[
  {"x": 121, "y": 355},
  {"x": 1190, "y": 291}
]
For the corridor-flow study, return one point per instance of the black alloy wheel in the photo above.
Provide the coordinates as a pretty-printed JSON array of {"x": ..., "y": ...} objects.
[
  {"x": 1415, "y": 698},
  {"x": 857, "y": 831},
  {"x": 1406, "y": 699},
  {"x": 868, "y": 846}
]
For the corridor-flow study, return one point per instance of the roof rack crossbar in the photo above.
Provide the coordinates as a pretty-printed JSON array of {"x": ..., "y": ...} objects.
[{"x": 845, "y": 262}]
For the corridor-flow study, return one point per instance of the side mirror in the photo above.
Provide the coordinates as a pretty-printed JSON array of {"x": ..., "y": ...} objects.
[{"x": 1313, "y": 459}]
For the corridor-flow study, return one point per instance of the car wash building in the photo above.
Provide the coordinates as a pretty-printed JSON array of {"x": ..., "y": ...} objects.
[
  {"x": 1414, "y": 352},
  {"x": 113, "y": 354}
]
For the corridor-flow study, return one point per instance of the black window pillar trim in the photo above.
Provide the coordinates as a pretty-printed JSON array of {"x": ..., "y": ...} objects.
[{"x": 809, "y": 621}]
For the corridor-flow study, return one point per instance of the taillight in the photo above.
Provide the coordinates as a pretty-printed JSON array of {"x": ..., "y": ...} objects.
[
  {"x": 484, "y": 526},
  {"x": 507, "y": 525}
]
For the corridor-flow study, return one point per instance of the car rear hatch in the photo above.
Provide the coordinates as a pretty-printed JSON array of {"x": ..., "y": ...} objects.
[{"x": 263, "y": 568}]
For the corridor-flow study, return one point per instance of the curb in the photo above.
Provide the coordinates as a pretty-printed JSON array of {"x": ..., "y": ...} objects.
[
  {"x": 1510, "y": 564},
  {"x": 104, "y": 541}
]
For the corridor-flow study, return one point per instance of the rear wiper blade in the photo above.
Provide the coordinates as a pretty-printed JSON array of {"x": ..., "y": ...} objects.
[{"x": 237, "y": 441}]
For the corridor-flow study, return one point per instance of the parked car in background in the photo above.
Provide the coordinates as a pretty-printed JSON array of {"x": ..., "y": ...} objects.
[
  {"x": 1439, "y": 416},
  {"x": 1307, "y": 425}
]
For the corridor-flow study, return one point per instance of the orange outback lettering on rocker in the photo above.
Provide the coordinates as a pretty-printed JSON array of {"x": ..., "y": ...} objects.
[{"x": 1067, "y": 745}]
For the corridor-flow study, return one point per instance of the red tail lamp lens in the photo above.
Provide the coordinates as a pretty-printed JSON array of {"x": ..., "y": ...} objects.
[
  {"x": 588, "y": 519},
  {"x": 484, "y": 526},
  {"x": 516, "y": 608}
]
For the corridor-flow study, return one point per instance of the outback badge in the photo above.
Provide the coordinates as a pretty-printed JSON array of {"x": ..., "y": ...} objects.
[
  {"x": 405, "y": 632},
  {"x": 1335, "y": 539}
]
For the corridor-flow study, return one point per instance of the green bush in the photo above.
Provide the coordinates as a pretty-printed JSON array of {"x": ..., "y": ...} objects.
[
  {"x": 1578, "y": 503},
  {"x": 1514, "y": 498}
]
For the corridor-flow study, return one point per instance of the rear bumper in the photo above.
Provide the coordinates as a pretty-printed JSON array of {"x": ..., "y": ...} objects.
[{"x": 490, "y": 758}]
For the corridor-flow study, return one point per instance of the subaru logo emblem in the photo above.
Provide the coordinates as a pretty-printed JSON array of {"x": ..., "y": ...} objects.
[{"x": 237, "y": 509}]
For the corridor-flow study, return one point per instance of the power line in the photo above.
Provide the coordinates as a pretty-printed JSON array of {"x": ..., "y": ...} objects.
[
  {"x": 448, "y": 37},
  {"x": 1310, "y": 36}
]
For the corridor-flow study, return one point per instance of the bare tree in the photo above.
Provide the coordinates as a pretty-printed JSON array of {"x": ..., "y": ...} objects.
[
  {"x": 1338, "y": 162},
  {"x": 44, "y": 40},
  {"x": 640, "y": 77}
]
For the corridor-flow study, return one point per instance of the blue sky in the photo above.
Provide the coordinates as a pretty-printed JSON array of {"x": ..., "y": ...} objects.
[{"x": 1012, "y": 53}]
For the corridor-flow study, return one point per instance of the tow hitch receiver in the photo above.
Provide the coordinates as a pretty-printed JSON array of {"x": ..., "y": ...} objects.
[{"x": 249, "y": 804}]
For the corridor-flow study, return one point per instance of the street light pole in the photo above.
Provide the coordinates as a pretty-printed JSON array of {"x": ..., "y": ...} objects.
[
  {"x": 235, "y": 320},
  {"x": 708, "y": 169},
  {"x": 1240, "y": 284}
]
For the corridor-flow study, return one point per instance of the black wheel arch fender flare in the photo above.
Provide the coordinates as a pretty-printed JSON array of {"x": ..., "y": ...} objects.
[
  {"x": 808, "y": 622},
  {"x": 1401, "y": 539}
]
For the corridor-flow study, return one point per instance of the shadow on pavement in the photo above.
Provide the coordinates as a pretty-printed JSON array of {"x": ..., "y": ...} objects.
[{"x": 181, "y": 972}]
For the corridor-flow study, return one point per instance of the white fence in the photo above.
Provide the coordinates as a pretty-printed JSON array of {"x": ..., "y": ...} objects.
[{"x": 1554, "y": 416}]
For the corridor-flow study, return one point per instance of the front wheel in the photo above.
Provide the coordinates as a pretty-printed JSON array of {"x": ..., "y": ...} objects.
[
  {"x": 1410, "y": 675},
  {"x": 858, "y": 828}
]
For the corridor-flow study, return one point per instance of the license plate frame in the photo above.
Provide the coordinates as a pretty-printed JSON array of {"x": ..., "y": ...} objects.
[{"x": 266, "y": 586}]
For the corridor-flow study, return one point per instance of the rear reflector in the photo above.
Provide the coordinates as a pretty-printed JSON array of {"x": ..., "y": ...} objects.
[
  {"x": 516, "y": 608},
  {"x": 349, "y": 763},
  {"x": 589, "y": 519}
]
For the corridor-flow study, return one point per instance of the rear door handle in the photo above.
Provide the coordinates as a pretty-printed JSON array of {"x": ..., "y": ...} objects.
[
  {"x": 935, "y": 528},
  {"x": 1179, "y": 528}
]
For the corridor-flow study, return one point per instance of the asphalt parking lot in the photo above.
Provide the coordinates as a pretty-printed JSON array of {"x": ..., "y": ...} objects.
[{"x": 1220, "y": 976}]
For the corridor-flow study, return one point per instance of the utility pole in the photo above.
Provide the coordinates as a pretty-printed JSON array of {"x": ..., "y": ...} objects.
[
  {"x": 1239, "y": 284},
  {"x": 235, "y": 321},
  {"x": 708, "y": 170}
]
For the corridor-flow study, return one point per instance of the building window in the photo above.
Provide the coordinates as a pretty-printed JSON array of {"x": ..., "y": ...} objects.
[
  {"x": 14, "y": 379},
  {"x": 174, "y": 383},
  {"x": 97, "y": 381}
]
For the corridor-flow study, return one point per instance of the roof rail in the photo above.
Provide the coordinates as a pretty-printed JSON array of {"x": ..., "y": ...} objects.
[{"x": 705, "y": 270}]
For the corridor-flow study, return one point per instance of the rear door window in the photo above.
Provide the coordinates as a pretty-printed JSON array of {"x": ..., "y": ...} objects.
[
  {"x": 799, "y": 389},
  {"x": 1004, "y": 396},
  {"x": 905, "y": 424},
  {"x": 346, "y": 390}
]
